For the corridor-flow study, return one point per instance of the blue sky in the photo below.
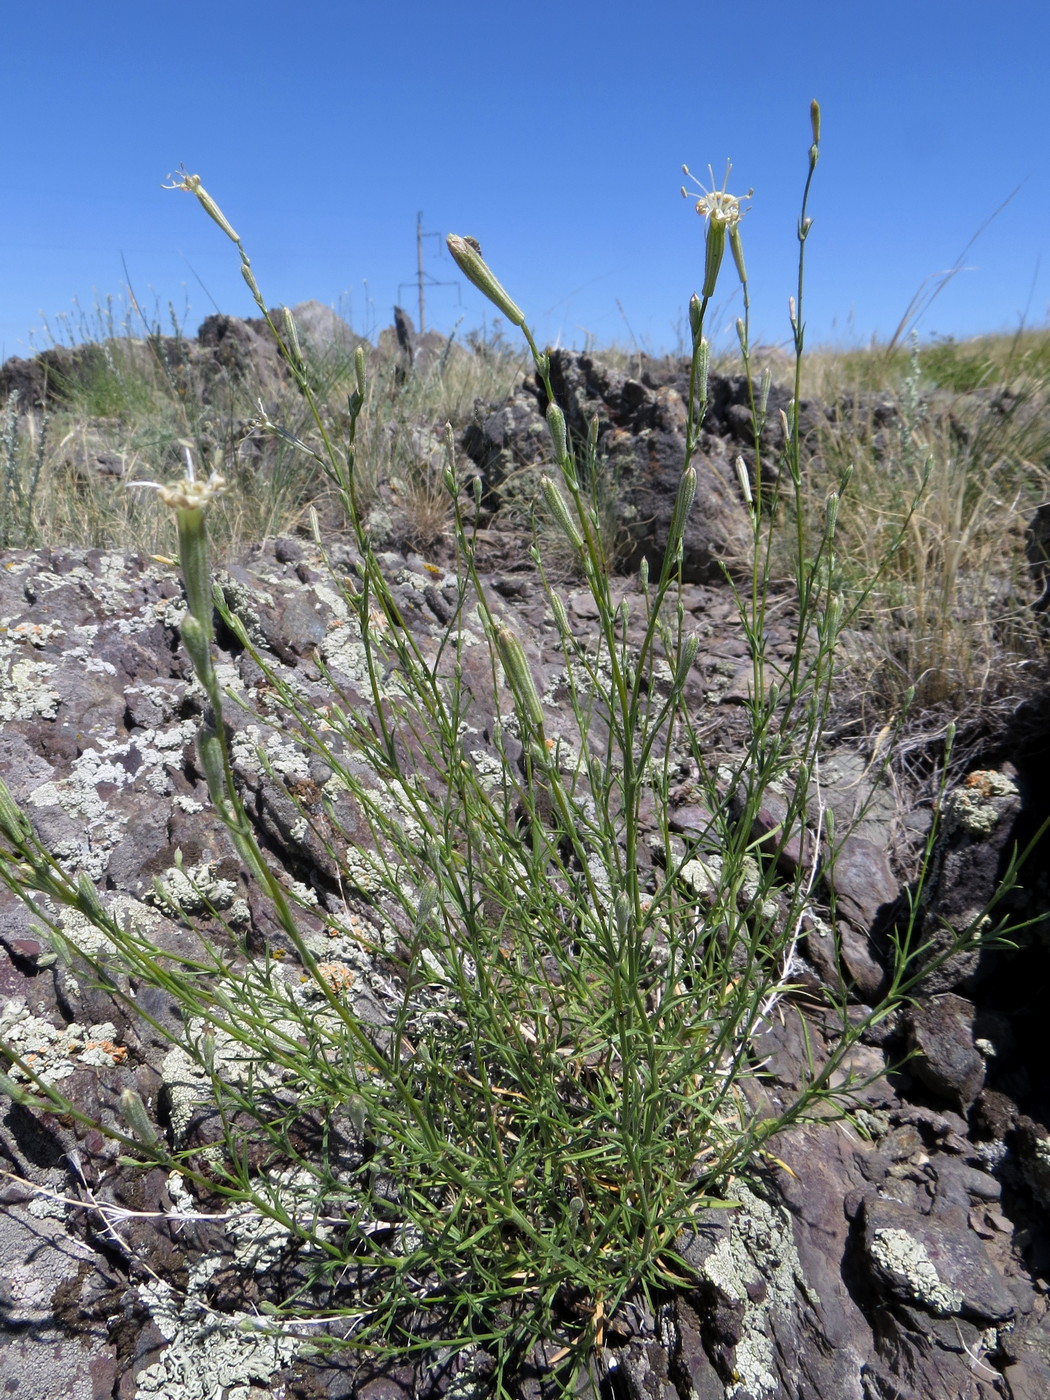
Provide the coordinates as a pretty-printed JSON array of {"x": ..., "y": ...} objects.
[{"x": 555, "y": 137}]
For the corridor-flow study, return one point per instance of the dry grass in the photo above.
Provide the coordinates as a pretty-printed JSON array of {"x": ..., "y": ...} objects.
[
  {"x": 134, "y": 406},
  {"x": 949, "y": 450}
]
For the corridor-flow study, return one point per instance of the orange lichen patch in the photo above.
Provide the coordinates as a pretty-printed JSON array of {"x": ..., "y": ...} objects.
[
  {"x": 981, "y": 782},
  {"x": 117, "y": 1053},
  {"x": 353, "y": 927},
  {"x": 337, "y": 975}
]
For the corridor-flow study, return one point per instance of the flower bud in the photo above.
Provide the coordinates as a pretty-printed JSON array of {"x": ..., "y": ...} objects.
[
  {"x": 737, "y": 247},
  {"x": 686, "y": 657},
  {"x": 209, "y": 751},
  {"x": 467, "y": 256},
  {"x": 622, "y": 912},
  {"x": 683, "y": 503},
  {"x": 359, "y": 369},
  {"x": 249, "y": 277},
  {"x": 561, "y": 617},
  {"x": 196, "y": 638},
  {"x": 519, "y": 675},
  {"x": 556, "y": 424},
  {"x": 831, "y": 515},
  {"x": 696, "y": 320},
  {"x": 88, "y": 902},
  {"x": 13, "y": 822},
  {"x": 763, "y": 394},
  {"x": 814, "y": 120},
  {"x": 745, "y": 481},
  {"x": 133, "y": 1111},
  {"x": 293, "y": 340},
  {"x": 557, "y": 507}
]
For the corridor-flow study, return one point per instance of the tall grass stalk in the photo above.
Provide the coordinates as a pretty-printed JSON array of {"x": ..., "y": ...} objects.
[{"x": 557, "y": 1074}]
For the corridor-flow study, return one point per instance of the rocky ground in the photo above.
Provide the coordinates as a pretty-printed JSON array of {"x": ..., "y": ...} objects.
[{"x": 903, "y": 1255}]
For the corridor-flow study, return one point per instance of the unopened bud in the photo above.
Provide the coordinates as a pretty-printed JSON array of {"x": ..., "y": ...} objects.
[
  {"x": 622, "y": 913},
  {"x": 814, "y": 120},
  {"x": 686, "y": 657},
  {"x": 696, "y": 320},
  {"x": 293, "y": 339},
  {"x": 13, "y": 822},
  {"x": 831, "y": 515},
  {"x": 519, "y": 675},
  {"x": 745, "y": 481},
  {"x": 557, "y": 507},
  {"x": 556, "y": 424},
  {"x": 209, "y": 751},
  {"x": 88, "y": 902},
  {"x": 467, "y": 256},
  {"x": 737, "y": 247},
  {"x": 703, "y": 365},
  {"x": 683, "y": 503},
  {"x": 359, "y": 369},
  {"x": 561, "y": 617},
  {"x": 196, "y": 638},
  {"x": 133, "y": 1111}
]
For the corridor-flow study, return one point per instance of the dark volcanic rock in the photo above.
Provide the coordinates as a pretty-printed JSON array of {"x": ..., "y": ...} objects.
[
  {"x": 940, "y": 1033},
  {"x": 641, "y": 446}
]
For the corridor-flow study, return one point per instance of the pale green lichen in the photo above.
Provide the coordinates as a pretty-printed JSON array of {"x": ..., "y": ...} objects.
[
  {"x": 979, "y": 805},
  {"x": 702, "y": 877},
  {"x": 54, "y": 1052},
  {"x": 759, "y": 1248},
  {"x": 907, "y": 1259},
  {"x": 26, "y": 692},
  {"x": 196, "y": 890},
  {"x": 208, "y": 1354}
]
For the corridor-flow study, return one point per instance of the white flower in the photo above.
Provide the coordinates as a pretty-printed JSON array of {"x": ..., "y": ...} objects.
[
  {"x": 188, "y": 494},
  {"x": 717, "y": 206}
]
